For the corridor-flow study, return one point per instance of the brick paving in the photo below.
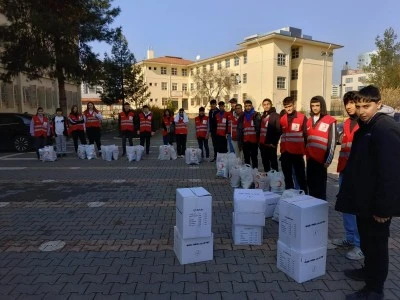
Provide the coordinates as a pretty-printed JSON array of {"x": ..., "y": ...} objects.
[{"x": 123, "y": 249}]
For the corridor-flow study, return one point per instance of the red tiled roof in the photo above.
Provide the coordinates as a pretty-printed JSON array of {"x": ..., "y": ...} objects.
[{"x": 170, "y": 60}]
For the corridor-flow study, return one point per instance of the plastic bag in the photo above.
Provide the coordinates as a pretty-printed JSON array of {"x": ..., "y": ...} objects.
[
  {"x": 139, "y": 152},
  {"x": 90, "y": 152},
  {"x": 192, "y": 156},
  {"x": 261, "y": 180},
  {"x": 82, "y": 151},
  {"x": 222, "y": 165},
  {"x": 234, "y": 176},
  {"x": 276, "y": 181},
  {"x": 130, "y": 153},
  {"x": 246, "y": 176},
  {"x": 47, "y": 154},
  {"x": 286, "y": 194},
  {"x": 115, "y": 152},
  {"x": 233, "y": 161},
  {"x": 172, "y": 152},
  {"x": 164, "y": 152},
  {"x": 220, "y": 157}
]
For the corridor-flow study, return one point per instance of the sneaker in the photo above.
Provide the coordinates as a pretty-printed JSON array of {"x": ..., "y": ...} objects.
[
  {"x": 365, "y": 293},
  {"x": 342, "y": 243},
  {"x": 355, "y": 254},
  {"x": 355, "y": 274}
]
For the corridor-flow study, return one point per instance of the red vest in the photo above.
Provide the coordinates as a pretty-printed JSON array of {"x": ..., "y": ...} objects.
[
  {"x": 201, "y": 126},
  {"x": 75, "y": 127},
  {"x": 249, "y": 131},
  {"x": 145, "y": 122},
  {"x": 292, "y": 139},
  {"x": 234, "y": 122},
  {"x": 91, "y": 120},
  {"x": 181, "y": 127},
  {"x": 40, "y": 127},
  {"x": 263, "y": 129},
  {"x": 346, "y": 145},
  {"x": 222, "y": 121},
  {"x": 126, "y": 121},
  {"x": 167, "y": 122},
  {"x": 318, "y": 137}
]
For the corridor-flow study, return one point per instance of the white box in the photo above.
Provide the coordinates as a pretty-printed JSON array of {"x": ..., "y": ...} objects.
[
  {"x": 193, "y": 250},
  {"x": 244, "y": 218},
  {"x": 301, "y": 266},
  {"x": 246, "y": 234},
  {"x": 271, "y": 199},
  {"x": 249, "y": 200},
  {"x": 303, "y": 222},
  {"x": 193, "y": 212}
]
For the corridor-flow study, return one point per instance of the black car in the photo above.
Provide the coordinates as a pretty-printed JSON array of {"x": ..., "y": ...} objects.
[{"x": 14, "y": 132}]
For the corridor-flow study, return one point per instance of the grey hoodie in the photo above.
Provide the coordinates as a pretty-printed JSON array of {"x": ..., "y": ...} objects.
[{"x": 388, "y": 110}]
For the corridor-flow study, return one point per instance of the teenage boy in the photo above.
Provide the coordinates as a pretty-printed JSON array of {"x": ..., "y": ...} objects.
[
  {"x": 270, "y": 133},
  {"x": 222, "y": 128},
  {"x": 350, "y": 126},
  {"x": 201, "y": 122},
  {"x": 39, "y": 129},
  {"x": 212, "y": 123},
  {"x": 248, "y": 132},
  {"x": 60, "y": 132},
  {"x": 146, "y": 127},
  {"x": 293, "y": 143},
  {"x": 181, "y": 130},
  {"x": 320, "y": 147},
  {"x": 370, "y": 189},
  {"x": 233, "y": 129},
  {"x": 126, "y": 125}
]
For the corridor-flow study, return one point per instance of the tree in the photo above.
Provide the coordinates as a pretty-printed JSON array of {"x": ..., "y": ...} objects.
[
  {"x": 51, "y": 38},
  {"x": 137, "y": 89}
]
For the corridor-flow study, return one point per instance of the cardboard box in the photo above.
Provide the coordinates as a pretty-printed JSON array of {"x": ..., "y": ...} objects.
[
  {"x": 303, "y": 222},
  {"x": 271, "y": 199},
  {"x": 249, "y": 200},
  {"x": 193, "y": 212},
  {"x": 246, "y": 234},
  {"x": 301, "y": 265},
  {"x": 244, "y": 218},
  {"x": 193, "y": 250}
]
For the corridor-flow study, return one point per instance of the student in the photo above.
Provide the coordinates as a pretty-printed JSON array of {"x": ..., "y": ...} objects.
[
  {"x": 126, "y": 125},
  {"x": 350, "y": 126},
  {"x": 320, "y": 148},
  {"x": 93, "y": 123},
  {"x": 233, "y": 103},
  {"x": 181, "y": 130},
  {"x": 212, "y": 123},
  {"x": 168, "y": 126},
  {"x": 292, "y": 147},
  {"x": 233, "y": 129},
  {"x": 76, "y": 127},
  {"x": 39, "y": 129},
  {"x": 370, "y": 189},
  {"x": 201, "y": 122},
  {"x": 270, "y": 133},
  {"x": 222, "y": 128},
  {"x": 60, "y": 132},
  {"x": 248, "y": 132},
  {"x": 146, "y": 127}
]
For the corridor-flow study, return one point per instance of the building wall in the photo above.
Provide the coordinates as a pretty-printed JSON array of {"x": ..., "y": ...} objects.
[{"x": 354, "y": 80}]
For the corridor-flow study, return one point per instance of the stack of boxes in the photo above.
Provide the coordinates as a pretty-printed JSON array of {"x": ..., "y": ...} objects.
[
  {"x": 193, "y": 239},
  {"x": 271, "y": 199},
  {"x": 248, "y": 218},
  {"x": 303, "y": 237}
]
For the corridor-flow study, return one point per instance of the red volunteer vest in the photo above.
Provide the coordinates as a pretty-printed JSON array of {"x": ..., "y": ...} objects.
[
  {"x": 263, "y": 129},
  {"x": 75, "y": 127},
  {"x": 40, "y": 127},
  {"x": 181, "y": 127},
  {"x": 201, "y": 126},
  {"x": 346, "y": 144},
  {"x": 91, "y": 120},
  {"x": 126, "y": 121},
  {"x": 249, "y": 131},
  {"x": 234, "y": 122},
  {"x": 221, "y": 123},
  {"x": 145, "y": 122},
  {"x": 317, "y": 138},
  {"x": 292, "y": 139},
  {"x": 167, "y": 121}
]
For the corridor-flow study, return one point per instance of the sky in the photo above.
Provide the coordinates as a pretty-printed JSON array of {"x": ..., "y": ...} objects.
[{"x": 186, "y": 28}]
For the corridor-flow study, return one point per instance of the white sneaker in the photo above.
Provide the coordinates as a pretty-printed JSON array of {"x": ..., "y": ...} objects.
[
  {"x": 342, "y": 243},
  {"x": 355, "y": 254}
]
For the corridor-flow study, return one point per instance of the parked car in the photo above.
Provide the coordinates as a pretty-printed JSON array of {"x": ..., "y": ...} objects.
[
  {"x": 339, "y": 138},
  {"x": 14, "y": 132}
]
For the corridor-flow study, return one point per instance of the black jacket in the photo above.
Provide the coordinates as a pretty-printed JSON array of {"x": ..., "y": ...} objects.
[
  {"x": 240, "y": 130},
  {"x": 371, "y": 178},
  {"x": 212, "y": 121},
  {"x": 274, "y": 127}
]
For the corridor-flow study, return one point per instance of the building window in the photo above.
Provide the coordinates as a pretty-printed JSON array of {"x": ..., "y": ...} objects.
[
  {"x": 149, "y": 68},
  {"x": 245, "y": 78},
  {"x": 163, "y": 86},
  {"x": 191, "y": 72},
  {"x": 244, "y": 96},
  {"x": 236, "y": 61},
  {"x": 212, "y": 67},
  {"x": 150, "y": 84},
  {"x": 184, "y": 72},
  {"x": 227, "y": 63},
  {"x": 219, "y": 65},
  {"x": 184, "y": 87},
  {"x": 197, "y": 70},
  {"x": 155, "y": 69},
  {"x": 295, "y": 52},
  {"x": 293, "y": 94},
  {"x": 348, "y": 89},
  {"x": 155, "y": 84},
  {"x": 164, "y": 101},
  {"x": 174, "y": 86},
  {"x": 204, "y": 69},
  {"x": 192, "y": 101},
  {"x": 192, "y": 86},
  {"x": 362, "y": 79},
  {"x": 163, "y": 71},
  {"x": 174, "y": 71},
  {"x": 245, "y": 59},
  {"x": 295, "y": 74},
  {"x": 198, "y": 86},
  {"x": 349, "y": 80},
  {"x": 281, "y": 59},
  {"x": 281, "y": 82}
]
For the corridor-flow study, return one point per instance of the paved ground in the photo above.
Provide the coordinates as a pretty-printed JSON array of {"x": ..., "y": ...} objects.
[{"x": 123, "y": 250}]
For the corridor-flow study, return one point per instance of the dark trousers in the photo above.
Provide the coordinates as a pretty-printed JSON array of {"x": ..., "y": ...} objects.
[
  {"x": 94, "y": 135},
  {"x": 221, "y": 143},
  {"x": 40, "y": 142},
  {"x": 78, "y": 134},
  {"x": 145, "y": 138},
  {"x": 168, "y": 139},
  {"x": 317, "y": 175},
  {"x": 290, "y": 162},
  {"x": 214, "y": 143},
  {"x": 250, "y": 151},
  {"x": 203, "y": 142},
  {"x": 126, "y": 134},
  {"x": 181, "y": 143},
  {"x": 269, "y": 158},
  {"x": 374, "y": 239}
]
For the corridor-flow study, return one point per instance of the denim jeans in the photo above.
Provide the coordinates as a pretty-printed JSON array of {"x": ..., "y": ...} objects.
[{"x": 230, "y": 145}]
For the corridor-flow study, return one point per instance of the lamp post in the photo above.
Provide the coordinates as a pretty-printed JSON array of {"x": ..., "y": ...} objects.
[
  {"x": 341, "y": 85},
  {"x": 122, "y": 81}
]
